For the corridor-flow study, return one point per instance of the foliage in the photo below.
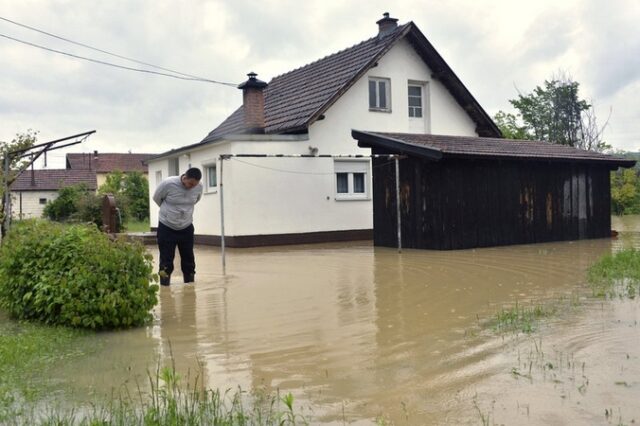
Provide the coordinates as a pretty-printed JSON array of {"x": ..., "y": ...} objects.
[
  {"x": 131, "y": 191},
  {"x": 76, "y": 203},
  {"x": 625, "y": 192},
  {"x": 74, "y": 275},
  {"x": 65, "y": 206},
  {"x": 508, "y": 125},
  {"x": 16, "y": 164},
  {"x": 554, "y": 113},
  {"x": 616, "y": 274}
]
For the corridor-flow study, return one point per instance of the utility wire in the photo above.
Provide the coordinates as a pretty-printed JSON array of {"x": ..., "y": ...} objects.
[
  {"x": 115, "y": 65},
  {"x": 107, "y": 52}
]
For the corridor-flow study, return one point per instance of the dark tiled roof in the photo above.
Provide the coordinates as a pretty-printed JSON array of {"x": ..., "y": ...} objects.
[
  {"x": 440, "y": 146},
  {"x": 294, "y": 100},
  {"x": 52, "y": 180},
  {"x": 108, "y": 162}
]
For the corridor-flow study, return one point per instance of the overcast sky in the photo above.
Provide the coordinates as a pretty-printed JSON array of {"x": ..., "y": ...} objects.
[{"x": 495, "y": 47}]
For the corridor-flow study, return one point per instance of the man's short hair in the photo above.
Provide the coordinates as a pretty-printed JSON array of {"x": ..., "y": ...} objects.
[{"x": 193, "y": 173}]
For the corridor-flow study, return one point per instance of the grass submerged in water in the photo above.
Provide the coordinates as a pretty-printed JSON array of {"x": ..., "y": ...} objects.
[
  {"x": 28, "y": 351},
  {"x": 616, "y": 275},
  {"x": 521, "y": 318}
]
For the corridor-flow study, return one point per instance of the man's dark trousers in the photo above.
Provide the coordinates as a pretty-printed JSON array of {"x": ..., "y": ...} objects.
[{"x": 168, "y": 239}]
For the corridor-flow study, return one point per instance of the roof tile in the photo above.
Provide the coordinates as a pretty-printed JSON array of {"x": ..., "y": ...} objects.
[{"x": 53, "y": 179}]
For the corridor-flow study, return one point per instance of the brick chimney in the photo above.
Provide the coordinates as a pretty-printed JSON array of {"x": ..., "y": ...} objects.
[
  {"x": 386, "y": 25},
  {"x": 253, "y": 102}
]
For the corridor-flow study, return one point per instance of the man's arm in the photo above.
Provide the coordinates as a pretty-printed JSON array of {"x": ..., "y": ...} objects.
[{"x": 160, "y": 193}]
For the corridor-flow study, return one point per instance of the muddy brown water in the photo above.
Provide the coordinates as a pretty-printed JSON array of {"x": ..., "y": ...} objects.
[{"x": 359, "y": 333}]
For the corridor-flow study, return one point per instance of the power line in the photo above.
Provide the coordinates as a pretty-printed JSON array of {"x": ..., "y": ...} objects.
[{"x": 113, "y": 54}]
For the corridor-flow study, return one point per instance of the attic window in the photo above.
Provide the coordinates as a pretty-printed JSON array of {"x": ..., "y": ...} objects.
[{"x": 379, "y": 94}]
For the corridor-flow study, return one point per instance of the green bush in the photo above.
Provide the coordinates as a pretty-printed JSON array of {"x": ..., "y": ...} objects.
[{"x": 76, "y": 276}]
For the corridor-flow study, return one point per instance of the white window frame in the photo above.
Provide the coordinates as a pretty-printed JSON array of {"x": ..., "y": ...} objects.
[
  {"x": 158, "y": 177},
  {"x": 351, "y": 167},
  {"x": 426, "y": 104},
  {"x": 174, "y": 166},
  {"x": 409, "y": 96},
  {"x": 207, "y": 169},
  {"x": 377, "y": 107}
]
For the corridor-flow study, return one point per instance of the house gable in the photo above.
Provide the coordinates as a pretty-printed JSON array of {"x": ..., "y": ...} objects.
[{"x": 295, "y": 100}]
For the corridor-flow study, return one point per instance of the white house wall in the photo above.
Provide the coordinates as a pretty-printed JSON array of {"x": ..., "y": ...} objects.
[
  {"x": 294, "y": 195},
  {"x": 29, "y": 207}
]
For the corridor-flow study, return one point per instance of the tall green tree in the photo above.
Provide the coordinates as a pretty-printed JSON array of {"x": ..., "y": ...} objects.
[
  {"x": 16, "y": 165},
  {"x": 555, "y": 113}
]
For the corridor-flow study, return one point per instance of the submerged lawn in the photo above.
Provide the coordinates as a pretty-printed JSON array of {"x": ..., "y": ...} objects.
[
  {"x": 27, "y": 352},
  {"x": 616, "y": 275}
]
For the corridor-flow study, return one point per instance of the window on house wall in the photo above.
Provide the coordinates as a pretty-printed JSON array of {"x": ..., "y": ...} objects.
[
  {"x": 351, "y": 179},
  {"x": 415, "y": 100},
  {"x": 43, "y": 201},
  {"x": 211, "y": 176},
  {"x": 174, "y": 166},
  {"x": 158, "y": 177},
  {"x": 379, "y": 94}
]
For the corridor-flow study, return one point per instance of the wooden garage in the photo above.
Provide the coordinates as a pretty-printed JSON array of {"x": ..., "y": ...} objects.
[{"x": 462, "y": 192}]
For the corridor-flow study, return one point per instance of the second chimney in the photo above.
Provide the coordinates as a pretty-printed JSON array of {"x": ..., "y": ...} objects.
[
  {"x": 253, "y": 102},
  {"x": 386, "y": 25}
]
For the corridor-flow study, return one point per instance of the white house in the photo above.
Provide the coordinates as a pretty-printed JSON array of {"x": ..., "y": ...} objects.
[
  {"x": 393, "y": 82},
  {"x": 35, "y": 188}
]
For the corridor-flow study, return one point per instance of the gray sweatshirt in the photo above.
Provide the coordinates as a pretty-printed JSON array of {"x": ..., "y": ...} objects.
[{"x": 176, "y": 202}]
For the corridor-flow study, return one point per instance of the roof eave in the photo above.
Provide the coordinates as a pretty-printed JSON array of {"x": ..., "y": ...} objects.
[
  {"x": 371, "y": 140},
  {"x": 486, "y": 126}
]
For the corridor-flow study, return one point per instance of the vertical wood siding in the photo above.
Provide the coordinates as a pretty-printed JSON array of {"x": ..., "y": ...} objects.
[{"x": 457, "y": 204}]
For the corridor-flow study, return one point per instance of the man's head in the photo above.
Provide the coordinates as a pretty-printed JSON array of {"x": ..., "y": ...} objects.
[{"x": 191, "y": 177}]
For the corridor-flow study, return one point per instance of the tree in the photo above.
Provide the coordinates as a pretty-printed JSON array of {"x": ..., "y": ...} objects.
[
  {"x": 131, "y": 191},
  {"x": 554, "y": 113},
  {"x": 16, "y": 165},
  {"x": 625, "y": 197}
]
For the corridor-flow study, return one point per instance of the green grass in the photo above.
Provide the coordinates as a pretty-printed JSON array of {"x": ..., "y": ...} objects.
[
  {"x": 172, "y": 401},
  {"x": 137, "y": 226},
  {"x": 520, "y": 318},
  {"x": 616, "y": 275},
  {"x": 27, "y": 352}
]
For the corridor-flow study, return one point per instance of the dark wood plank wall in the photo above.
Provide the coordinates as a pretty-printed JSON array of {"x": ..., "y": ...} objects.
[{"x": 455, "y": 204}]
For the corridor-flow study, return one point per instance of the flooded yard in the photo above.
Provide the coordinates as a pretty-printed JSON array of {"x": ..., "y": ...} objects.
[{"x": 359, "y": 333}]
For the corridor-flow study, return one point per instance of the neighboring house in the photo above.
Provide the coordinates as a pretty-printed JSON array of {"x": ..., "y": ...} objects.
[
  {"x": 104, "y": 163},
  {"x": 34, "y": 188},
  {"x": 393, "y": 82}
]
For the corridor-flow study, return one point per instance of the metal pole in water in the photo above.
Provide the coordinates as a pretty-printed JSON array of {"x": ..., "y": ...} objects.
[
  {"x": 399, "y": 223},
  {"x": 224, "y": 262}
]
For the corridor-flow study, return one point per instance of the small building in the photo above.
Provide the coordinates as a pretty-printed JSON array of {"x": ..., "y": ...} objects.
[
  {"x": 104, "y": 163},
  {"x": 461, "y": 192},
  {"x": 35, "y": 188}
]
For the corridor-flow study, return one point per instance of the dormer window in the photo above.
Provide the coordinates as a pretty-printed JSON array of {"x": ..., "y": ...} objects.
[{"x": 379, "y": 94}]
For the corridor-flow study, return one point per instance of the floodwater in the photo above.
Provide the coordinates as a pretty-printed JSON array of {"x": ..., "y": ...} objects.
[{"x": 359, "y": 333}]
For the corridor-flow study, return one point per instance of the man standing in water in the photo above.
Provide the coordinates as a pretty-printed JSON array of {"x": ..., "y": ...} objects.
[{"x": 176, "y": 196}]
